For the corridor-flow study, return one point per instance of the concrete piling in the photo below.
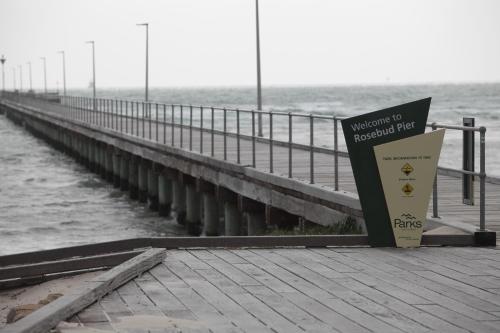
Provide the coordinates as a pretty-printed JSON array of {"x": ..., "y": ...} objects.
[
  {"x": 179, "y": 200},
  {"x": 254, "y": 216},
  {"x": 193, "y": 209},
  {"x": 133, "y": 177},
  {"x": 116, "y": 168},
  {"x": 164, "y": 194},
  {"x": 124, "y": 173},
  {"x": 210, "y": 214},
  {"x": 232, "y": 219},
  {"x": 108, "y": 150},
  {"x": 152, "y": 187},
  {"x": 143, "y": 180}
]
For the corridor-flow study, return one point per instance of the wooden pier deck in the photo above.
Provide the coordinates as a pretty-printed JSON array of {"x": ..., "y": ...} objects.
[
  {"x": 306, "y": 290},
  {"x": 451, "y": 209}
]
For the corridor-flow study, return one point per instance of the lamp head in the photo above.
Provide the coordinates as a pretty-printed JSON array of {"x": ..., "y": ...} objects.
[{"x": 2, "y": 59}]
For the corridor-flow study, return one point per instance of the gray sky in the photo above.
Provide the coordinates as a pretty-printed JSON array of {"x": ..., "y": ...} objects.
[{"x": 212, "y": 42}]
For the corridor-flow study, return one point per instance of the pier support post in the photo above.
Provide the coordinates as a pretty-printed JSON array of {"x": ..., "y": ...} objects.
[
  {"x": 133, "y": 177},
  {"x": 164, "y": 194},
  {"x": 153, "y": 186},
  {"x": 232, "y": 217},
  {"x": 193, "y": 207},
  {"x": 109, "y": 162},
  {"x": 210, "y": 208},
  {"x": 124, "y": 173},
  {"x": 143, "y": 180},
  {"x": 95, "y": 157},
  {"x": 254, "y": 215},
  {"x": 179, "y": 199},
  {"x": 116, "y": 167},
  {"x": 102, "y": 160}
]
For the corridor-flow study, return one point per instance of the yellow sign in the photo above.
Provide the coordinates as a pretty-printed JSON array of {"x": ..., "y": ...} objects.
[
  {"x": 407, "y": 168},
  {"x": 407, "y": 189}
]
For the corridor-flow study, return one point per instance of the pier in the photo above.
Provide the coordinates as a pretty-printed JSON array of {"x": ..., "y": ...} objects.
[{"x": 209, "y": 167}]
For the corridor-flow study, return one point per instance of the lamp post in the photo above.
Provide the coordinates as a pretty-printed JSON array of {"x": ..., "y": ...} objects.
[
  {"x": 14, "y": 78},
  {"x": 259, "y": 93},
  {"x": 2, "y": 60},
  {"x": 31, "y": 81},
  {"x": 146, "y": 94},
  {"x": 93, "y": 71},
  {"x": 20, "y": 78},
  {"x": 64, "y": 71},
  {"x": 44, "y": 74}
]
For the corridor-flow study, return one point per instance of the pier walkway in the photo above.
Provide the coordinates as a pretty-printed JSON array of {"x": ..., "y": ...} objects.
[{"x": 208, "y": 135}]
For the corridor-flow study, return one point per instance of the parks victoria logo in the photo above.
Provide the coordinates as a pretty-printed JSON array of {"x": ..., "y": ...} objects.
[{"x": 407, "y": 221}]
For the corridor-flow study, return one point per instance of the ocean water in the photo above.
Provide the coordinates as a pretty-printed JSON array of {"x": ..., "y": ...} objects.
[{"x": 47, "y": 200}]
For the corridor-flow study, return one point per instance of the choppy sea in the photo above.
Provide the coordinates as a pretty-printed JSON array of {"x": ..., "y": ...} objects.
[{"x": 47, "y": 200}]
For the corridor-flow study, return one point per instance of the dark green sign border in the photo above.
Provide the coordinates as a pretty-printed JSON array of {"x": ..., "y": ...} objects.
[{"x": 361, "y": 134}]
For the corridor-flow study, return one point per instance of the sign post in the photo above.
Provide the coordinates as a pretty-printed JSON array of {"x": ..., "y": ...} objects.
[{"x": 362, "y": 133}]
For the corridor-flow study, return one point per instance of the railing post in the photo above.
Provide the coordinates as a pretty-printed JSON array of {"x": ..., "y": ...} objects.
[
  {"x": 121, "y": 116},
  {"x": 156, "y": 108},
  {"x": 336, "y": 152},
  {"x": 132, "y": 117},
  {"x": 181, "y": 129},
  {"x": 173, "y": 125},
  {"x": 126, "y": 117},
  {"x": 290, "y": 141},
  {"x": 238, "y": 155},
  {"x": 271, "y": 154},
  {"x": 143, "y": 120},
  {"x": 468, "y": 155},
  {"x": 148, "y": 114},
  {"x": 435, "y": 211},
  {"x": 201, "y": 129},
  {"x": 482, "y": 178},
  {"x": 311, "y": 148},
  {"x": 225, "y": 139},
  {"x": 164, "y": 124},
  {"x": 253, "y": 139},
  {"x": 190, "y": 127},
  {"x": 212, "y": 152}
]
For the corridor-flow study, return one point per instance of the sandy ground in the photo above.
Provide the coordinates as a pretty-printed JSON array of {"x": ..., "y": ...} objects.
[{"x": 33, "y": 294}]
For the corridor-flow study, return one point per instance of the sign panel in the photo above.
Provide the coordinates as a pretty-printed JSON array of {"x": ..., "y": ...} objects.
[
  {"x": 407, "y": 168},
  {"x": 364, "y": 132}
]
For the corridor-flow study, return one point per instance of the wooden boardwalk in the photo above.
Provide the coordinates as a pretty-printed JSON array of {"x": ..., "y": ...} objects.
[
  {"x": 307, "y": 290},
  {"x": 451, "y": 209}
]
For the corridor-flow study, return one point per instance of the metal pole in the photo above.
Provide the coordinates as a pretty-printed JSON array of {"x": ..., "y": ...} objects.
[
  {"x": 31, "y": 81},
  {"x": 201, "y": 129},
  {"x": 336, "y": 151},
  {"x": 290, "y": 140},
  {"x": 20, "y": 78},
  {"x": 435, "y": 212},
  {"x": 311, "y": 148},
  {"x": 271, "y": 154},
  {"x": 482, "y": 179},
  {"x": 2, "y": 61},
  {"x": 14, "y": 78},
  {"x": 44, "y": 75},
  {"x": 146, "y": 93},
  {"x": 64, "y": 71},
  {"x": 259, "y": 94},
  {"x": 93, "y": 70}
]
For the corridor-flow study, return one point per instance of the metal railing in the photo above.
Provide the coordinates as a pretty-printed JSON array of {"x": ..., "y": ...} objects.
[{"x": 139, "y": 118}]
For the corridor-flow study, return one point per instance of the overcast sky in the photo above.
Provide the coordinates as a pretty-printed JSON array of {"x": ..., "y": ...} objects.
[{"x": 212, "y": 42}]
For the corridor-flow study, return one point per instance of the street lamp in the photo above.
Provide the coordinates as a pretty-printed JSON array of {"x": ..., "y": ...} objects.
[
  {"x": 147, "y": 59},
  {"x": 44, "y": 74},
  {"x": 31, "y": 81},
  {"x": 2, "y": 60},
  {"x": 20, "y": 78},
  {"x": 259, "y": 94},
  {"x": 64, "y": 71},
  {"x": 14, "y": 78},
  {"x": 93, "y": 70}
]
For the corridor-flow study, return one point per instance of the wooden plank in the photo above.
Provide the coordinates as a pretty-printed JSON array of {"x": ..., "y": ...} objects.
[
  {"x": 73, "y": 251},
  {"x": 50, "y": 315},
  {"x": 100, "y": 261}
]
